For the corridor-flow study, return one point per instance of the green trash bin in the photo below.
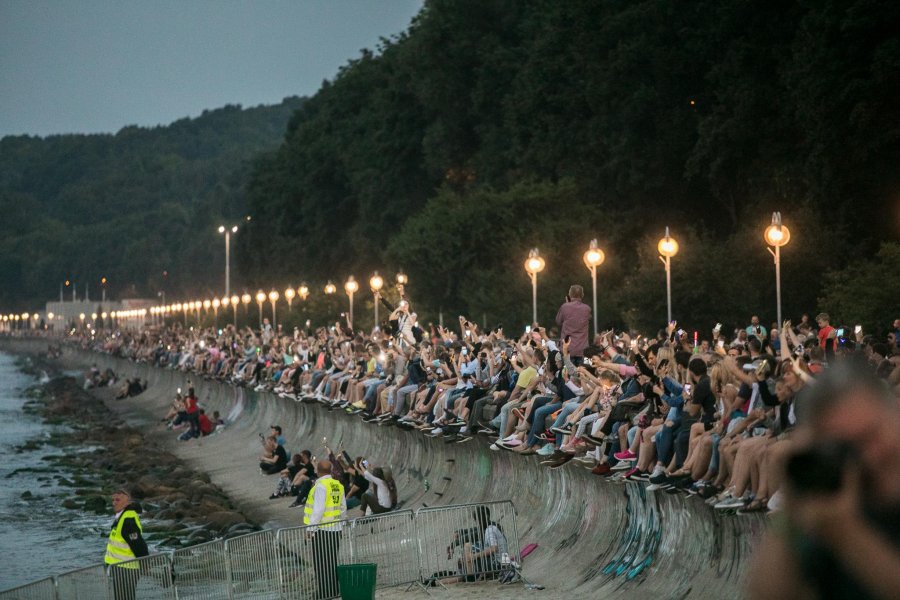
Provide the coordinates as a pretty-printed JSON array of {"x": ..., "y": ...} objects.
[{"x": 357, "y": 581}]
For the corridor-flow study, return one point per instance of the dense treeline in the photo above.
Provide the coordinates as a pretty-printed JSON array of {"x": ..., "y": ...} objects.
[
  {"x": 128, "y": 206},
  {"x": 493, "y": 126}
]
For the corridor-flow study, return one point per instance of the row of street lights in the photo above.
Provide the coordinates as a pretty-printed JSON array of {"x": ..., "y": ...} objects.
[
  {"x": 351, "y": 286},
  {"x": 776, "y": 235}
]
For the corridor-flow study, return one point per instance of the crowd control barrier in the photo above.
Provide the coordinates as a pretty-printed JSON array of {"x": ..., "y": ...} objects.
[
  {"x": 458, "y": 540},
  {"x": 299, "y": 563},
  {"x": 201, "y": 572}
]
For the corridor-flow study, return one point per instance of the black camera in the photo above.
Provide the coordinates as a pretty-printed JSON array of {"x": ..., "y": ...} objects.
[{"x": 819, "y": 469}]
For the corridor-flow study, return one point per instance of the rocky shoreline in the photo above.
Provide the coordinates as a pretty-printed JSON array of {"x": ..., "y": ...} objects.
[{"x": 95, "y": 451}]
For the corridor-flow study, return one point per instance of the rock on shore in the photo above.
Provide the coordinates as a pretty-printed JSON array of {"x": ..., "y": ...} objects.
[{"x": 100, "y": 453}]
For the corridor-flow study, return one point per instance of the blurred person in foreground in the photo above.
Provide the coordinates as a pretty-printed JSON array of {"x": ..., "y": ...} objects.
[{"x": 839, "y": 533}]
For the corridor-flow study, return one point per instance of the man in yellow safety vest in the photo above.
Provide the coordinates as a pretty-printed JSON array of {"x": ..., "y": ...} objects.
[
  {"x": 325, "y": 508},
  {"x": 125, "y": 543}
]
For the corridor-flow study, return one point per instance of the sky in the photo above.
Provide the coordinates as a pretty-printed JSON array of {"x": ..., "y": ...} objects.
[{"x": 90, "y": 66}]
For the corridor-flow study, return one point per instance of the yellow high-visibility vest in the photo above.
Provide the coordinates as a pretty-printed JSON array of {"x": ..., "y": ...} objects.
[
  {"x": 334, "y": 493},
  {"x": 117, "y": 549}
]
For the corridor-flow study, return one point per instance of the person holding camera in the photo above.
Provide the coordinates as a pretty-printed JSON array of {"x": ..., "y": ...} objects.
[{"x": 839, "y": 533}]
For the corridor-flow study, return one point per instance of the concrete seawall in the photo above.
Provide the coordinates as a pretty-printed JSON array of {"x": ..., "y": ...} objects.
[{"x": 596, "y": 538}]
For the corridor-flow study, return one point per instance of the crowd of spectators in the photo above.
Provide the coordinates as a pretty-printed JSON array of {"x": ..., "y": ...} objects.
[{"x": 699, "y": 414}]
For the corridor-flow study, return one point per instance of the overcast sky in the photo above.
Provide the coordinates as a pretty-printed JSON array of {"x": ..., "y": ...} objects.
[{"x": 84, "y": 66}]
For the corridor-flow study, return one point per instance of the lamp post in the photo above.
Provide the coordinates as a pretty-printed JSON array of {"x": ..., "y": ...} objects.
[
  {"x": 667, "y": 248},
  {"x": 289, "y": 294},
  {"x": 350, "y": 286},
  {"x": 777, "y": 235},
  {"x": 534, "y": 264},
  {"x": 103, "y": 290},
  {"x": 245, "y": 300},
  {"x": 260, "y": 298},
  {"x": 303, "y": 291},
  {"x": 376, "y": 283},
  {"x": 235, "y": 300},
  {"x": 593, "y": 258},
  {"x": 402, "y": 278},
  {"x": 330, "y": 288},
  {"x": 273, "y": 298},
  {"x": 228, "y": 231},
  {"x": 216, "y": 303}
]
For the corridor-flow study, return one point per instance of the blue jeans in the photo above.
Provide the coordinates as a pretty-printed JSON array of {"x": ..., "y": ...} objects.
[
  {"x": 540, "y": 415},
  {"x": 567, "y": 409}
]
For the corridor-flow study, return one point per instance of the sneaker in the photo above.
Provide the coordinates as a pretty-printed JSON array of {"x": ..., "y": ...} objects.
[
  {"x": 627, "y": 455},
  {"x": 544, "y": 437},
  {"x": 587, "y": 459},
  {"x": 296, "y": 503},
  {"x": 463, "y": 430},
  {"x": 730, "y": 503},
  {"x": 510, "y": 438},
  {"x": 561, "y": 462},
  {"x": 486, "y": 431},
  {"x": 463, "y": 439},
  {"x": 562, "y": 429},
  {"x": 659, "y": 477},
  {"x": 547, "y": 450},
  {"x": 624, "y": 465},
  {"x": 658, "y": 486},
  {"x": 274, "y": 496},
  {"x": 435, "y": 432},
  {"x": 601, "y": 469}
]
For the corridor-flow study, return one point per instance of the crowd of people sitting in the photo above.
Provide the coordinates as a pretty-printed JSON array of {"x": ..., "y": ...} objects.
[
  {"x": 371, "y": 489},
  {"x": 187, "y": 415},
  {"x": 708, "y": 415}
]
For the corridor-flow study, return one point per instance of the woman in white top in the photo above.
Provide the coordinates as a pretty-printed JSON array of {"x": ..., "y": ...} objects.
[{"x": 383, "y": 499}]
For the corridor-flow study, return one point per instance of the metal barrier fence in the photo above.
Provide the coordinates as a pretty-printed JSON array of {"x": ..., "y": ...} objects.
[
  {"x": 201, "y": 572},
  {"x": 89, "y": 583},
  {"x": 252, "y": 565},
  {"x": 468, "y": 541},
  {"x": 389, "y": 541},
  {"x": 147, "y": 578},
  {"x": 43, "y": 589}
]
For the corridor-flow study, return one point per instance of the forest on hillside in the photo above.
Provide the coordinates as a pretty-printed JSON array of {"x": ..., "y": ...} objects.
[
  {"x": 129, "y": 207},
  {"x": 492, "y": 127}
]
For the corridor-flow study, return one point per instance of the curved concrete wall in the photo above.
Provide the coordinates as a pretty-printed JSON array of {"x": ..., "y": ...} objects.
[{"x": 596, "y": 538}]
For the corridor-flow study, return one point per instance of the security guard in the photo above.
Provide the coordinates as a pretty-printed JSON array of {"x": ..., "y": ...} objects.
[
  {"x": 325, "y": 508},
  {"x": 125, "y": 544}
]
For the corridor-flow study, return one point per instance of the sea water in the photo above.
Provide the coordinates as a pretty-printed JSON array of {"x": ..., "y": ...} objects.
[{"x": 38, "y": 537}]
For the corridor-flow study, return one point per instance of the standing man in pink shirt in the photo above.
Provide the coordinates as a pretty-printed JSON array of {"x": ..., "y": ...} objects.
[{"x": 574, "y": 318}]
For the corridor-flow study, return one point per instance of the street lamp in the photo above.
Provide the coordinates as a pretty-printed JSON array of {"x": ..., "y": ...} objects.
[
  {"x": 260, "y": 298},
  {"x": 667, "y": 248},
  {"x": 103, "y": 290},
  {"x": 534, "y": 264},
  {"x": 303, "y": 291},
  {"x": 235, "y": 300},
  {"x": 330, "y": 288},
  {"x": 777, "y": 235},
  {"x": 593, "y": 258},
  {"x": 289, "y": 294},
  {"x": 216, "y": 303},
  {"x": 245, "y": 300},
  {"x": 228, "y": 231},
  {"x": 273, "y": 298},
  {"x": 402, "y": 279},
  {"x": 351, "y": 286},
  {"x": 376, "y": 283}
]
